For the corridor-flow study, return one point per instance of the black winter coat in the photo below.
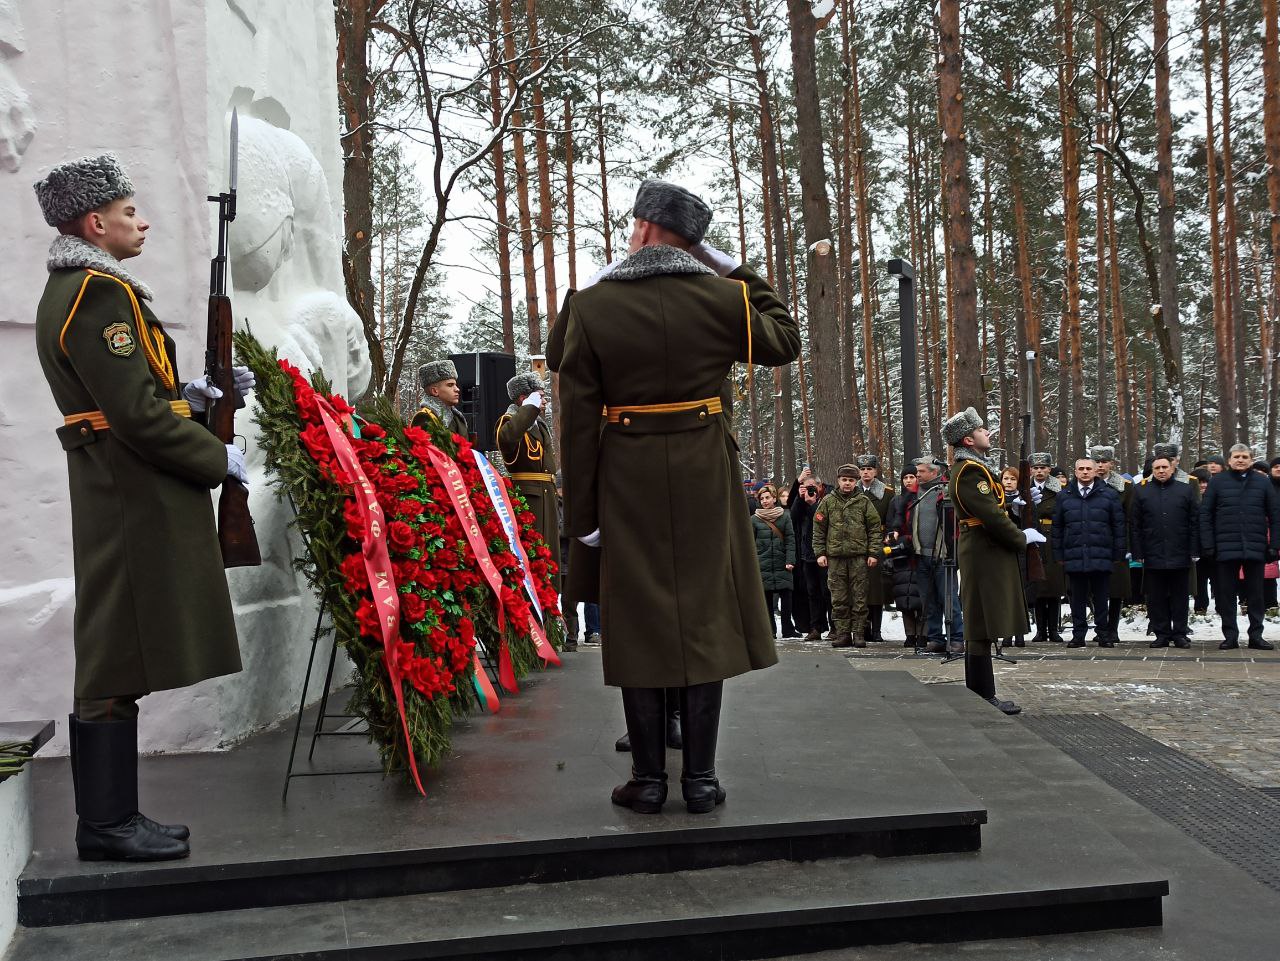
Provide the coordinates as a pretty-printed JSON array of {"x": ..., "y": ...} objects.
[
  {"x": 1089, "y": 532},
  {"x": 1239, "y": 517},
  {"x": 802, "y": 521},
  {"x": 1164, "y": 525},
  {"x": 902, "y": 569}
]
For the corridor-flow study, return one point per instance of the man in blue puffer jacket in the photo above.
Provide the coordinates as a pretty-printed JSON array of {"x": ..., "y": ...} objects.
[
  {"x": 1089, "y": 536},
  {"x": 1239, "y": 533}
]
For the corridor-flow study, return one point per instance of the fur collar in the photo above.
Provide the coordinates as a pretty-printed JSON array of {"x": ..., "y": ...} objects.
[
  {"x": 1052, "y": 484},
  {"x": 438, "y": 407},
  {"x": 1116, "y": 482},
  {"x": 876, "y": 490},
  {"x": 656, "y": 261},
  {"x": 963, "y": 453},
  {"x": 68, "y": 251}
]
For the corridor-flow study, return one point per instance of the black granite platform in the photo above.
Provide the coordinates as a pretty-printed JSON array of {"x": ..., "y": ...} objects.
[{"x": 814, "y": 769}]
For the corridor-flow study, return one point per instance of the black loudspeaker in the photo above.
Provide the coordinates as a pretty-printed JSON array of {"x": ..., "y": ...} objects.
[{"x": 482, "y": 378}]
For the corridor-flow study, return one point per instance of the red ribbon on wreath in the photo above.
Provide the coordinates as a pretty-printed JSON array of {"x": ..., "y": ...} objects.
[
  {"x": 377, "y": 565},
  {"x": 456, "y": 485}
]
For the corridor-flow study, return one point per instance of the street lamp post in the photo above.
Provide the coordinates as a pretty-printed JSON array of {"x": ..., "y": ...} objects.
[{"x": 906, "y": 275}]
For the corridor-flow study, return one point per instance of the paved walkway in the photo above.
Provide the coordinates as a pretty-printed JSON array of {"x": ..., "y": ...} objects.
[{"x": 1222, "y": 707}]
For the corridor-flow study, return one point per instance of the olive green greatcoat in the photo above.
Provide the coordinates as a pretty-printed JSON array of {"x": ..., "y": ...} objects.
[
  {"x": 1121, "y": 587},
  {"x": 1054, "y": 584},
  {"x": 152, "y": 607},
  {"x": 680, "y": 589},
  {"x": 525, "y": 444},
  {"x": 880, "y": 582},
  {"x": 452, "y": 419},
  {"x": 988, "y": 555}
]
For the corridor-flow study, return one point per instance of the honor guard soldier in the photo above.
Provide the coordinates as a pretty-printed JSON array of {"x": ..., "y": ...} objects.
[
  {"x": 524, "y": 440},
  {"x": 656, "y": 481},
  {"x": 1047, "y": 604},
  {"x": 152, "y": 607},
  {"x": 1121, "y": 584},
  {"x": 988, "y": 555},
  {"x": 440, "y": 395}
]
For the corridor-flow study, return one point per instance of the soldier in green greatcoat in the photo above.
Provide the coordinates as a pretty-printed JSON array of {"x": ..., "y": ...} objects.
[
  {"x": 988, "y": 555},
  {"x": 152, "y": 607},
  {"x": 879, "y": 583},
  {"x": 656, "y": 483},
  {"x": 1048, "y": 599},
  {"x": 438, "y": 381},
  {"x": 525, "y": 442}
]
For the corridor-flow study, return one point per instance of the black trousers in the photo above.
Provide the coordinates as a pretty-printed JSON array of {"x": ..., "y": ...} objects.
[
  {"x": 773, "y": 599},
  {"x": 1229, "y": 589},
  {"x": 1167, "y": 602},
  {"x": 815, "y": 579},
  {"x": 799, "y": 599},
  {"x": 1206, "y": 570},
  {"x": 1084, "y": 587}
]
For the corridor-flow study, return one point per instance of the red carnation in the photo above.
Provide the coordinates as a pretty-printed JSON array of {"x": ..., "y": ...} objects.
[
  {"x": 412, "y": 608},
  {"x": 401, "y": 537},
  {"x": 352, "y": 514}
]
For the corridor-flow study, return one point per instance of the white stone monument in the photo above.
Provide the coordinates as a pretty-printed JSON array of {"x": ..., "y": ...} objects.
[{"x": 155, "y": 82}]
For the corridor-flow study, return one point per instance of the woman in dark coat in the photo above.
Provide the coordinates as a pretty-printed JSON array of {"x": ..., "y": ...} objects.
[
  {"x": 775, "y": 551},
  {"x": 1020, "y": 515},
  {"x": 902, "y": 560}
]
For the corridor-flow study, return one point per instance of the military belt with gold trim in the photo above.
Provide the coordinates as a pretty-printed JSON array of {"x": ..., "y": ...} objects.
[
  {"x": 615, "y": 414},
  {"x": 532, "y": 476},
  {"x": 970, "y": 521},
  {"x": 98, "y": 420}
]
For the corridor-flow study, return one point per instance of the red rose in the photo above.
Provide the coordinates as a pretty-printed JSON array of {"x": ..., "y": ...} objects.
[
  {"x": 412, "y": 608},
  {"x": 352, "y": 514},
  {"x": 371, "y": 430},
  {"x": 354, "y": 576},
  {"x": 368, "y": 621},
  {"x": 401, "y": 537},
  {"x": 411, "y": 507}
]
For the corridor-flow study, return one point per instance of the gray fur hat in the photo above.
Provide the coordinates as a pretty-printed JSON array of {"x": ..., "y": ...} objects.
[
  {"x": 867, "y": 460},
  {"x": 846, "y": 470},
  {"x": 525, "y": 383},
  {"x": 1102, "y": 453},
  {"x": 1040, "y": 460},
  {"x": 436, "y": 371},
  {"x": 72, "y": 189},
  {"x": 673, "y": 207},
  {"x": 955, "y": 429},
  {"x": 1166, "y": 450}
]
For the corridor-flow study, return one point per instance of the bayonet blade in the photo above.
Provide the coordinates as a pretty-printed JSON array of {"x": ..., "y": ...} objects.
[{"x": 235, "y": 144}]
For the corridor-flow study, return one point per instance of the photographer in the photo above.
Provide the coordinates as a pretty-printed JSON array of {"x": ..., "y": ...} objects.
[{"x": 934, "y": 541}]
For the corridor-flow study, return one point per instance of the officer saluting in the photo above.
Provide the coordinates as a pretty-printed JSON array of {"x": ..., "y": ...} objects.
[
  {"x": 440, "y": 395},
  {"x": 152, "y": 608},
  {"x": 987, "y": 555},
  {"x": 524, "y": 440}
]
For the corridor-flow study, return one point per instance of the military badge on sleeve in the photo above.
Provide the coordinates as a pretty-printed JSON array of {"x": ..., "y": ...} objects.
[
  {"x": 119, "y": 339},
  {"x": 984, "y": 487}
]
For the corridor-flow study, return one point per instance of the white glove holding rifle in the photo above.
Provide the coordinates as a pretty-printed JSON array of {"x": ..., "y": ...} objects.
[{"x": 199, "y": 392}]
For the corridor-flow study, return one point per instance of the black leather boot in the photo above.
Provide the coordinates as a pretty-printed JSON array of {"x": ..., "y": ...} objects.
[
  {"x": 875, "y": 617},
  {"x": 1042, "y": 619},
  {"x": 106, "y": 785},
  {"x": 675, "y": 740},
  {"x": 179, "y": 832},
  {"x": 980, "y": 677},
  {"x": 646, "y": 728},
  {"x": 700, "y": 715}
]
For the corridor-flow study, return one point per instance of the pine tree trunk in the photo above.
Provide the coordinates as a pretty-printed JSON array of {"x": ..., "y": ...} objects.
[
  {"x": 522, "y": 185},
  {"x": 545, "y": 201},
  {"x": 1071, "y": 226},
  {"x": 1126, "y": 415},
  {"x": 1270, "y": 316},
  {"x": 1221, "y": 324},
  {"x": 570, "y": 209},
  {"x": 1230, "y": 240},
  {"x": 832, "y": 431},
  {"x": 355, "y": 99},
  {"x": 752, "y": 411},
  {"x": 1165, "y": 190},
  {"x": 857, "y": 206},
  {"x": 965, "y": 358},
  {"x": 506, "y": 298},
  {"x": 784, "y": 200},
  {"x": 1029, "y": 316},
  {"x": 606, "y": 218},
  {"x": 1103, "y": 401}
]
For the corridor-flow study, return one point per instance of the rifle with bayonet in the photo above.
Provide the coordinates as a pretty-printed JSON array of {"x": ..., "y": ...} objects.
[
  {"x": 236, "y": 538},
  {"x": 1035, "y": 563}
]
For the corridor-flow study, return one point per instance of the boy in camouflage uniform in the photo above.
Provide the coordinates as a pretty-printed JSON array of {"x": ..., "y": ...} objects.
[{"x": 846, "y": 541}]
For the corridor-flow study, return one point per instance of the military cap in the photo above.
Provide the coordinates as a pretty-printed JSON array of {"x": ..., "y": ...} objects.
[
  {"x": 1040, "y": 459},
  {"x": 436, "y": 371},
  {"x": 867, "y": 460},
  {"x": 671, "y": 206},
  {"x": 1102, "y": 453},
  {"x": 1166, "y": 450},
  {"x": 525, "y": 383},
  {"x": 956, "y": 429},
  {"x": 72, "y": 189},
  {"x": 846, "y": 470}
]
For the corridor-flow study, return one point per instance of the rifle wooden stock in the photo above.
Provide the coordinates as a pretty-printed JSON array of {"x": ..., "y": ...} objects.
[
  {"x": 236, "y": 537},
  {"x": 1035, "y": 563}
]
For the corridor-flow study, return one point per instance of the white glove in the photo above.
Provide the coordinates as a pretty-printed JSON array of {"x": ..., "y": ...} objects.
[
  {"x": 1037, "y": 495},
  {"x": 717, "y": 260},
  {"x": 199, "y": 392},
  {"x": 1195, "y": 560},
  {"x": 244, "y": 378},
  {"x": 592, "y": 539},
  {"x": 1018, "y": 502},
  {"x": 1128, "y": 557},
  {"x": 534, "y": 399},
  {"x": 600, "y": 275},
  {"x": 1033, "y": 536},
  {"x": 235, "y": 465}
]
